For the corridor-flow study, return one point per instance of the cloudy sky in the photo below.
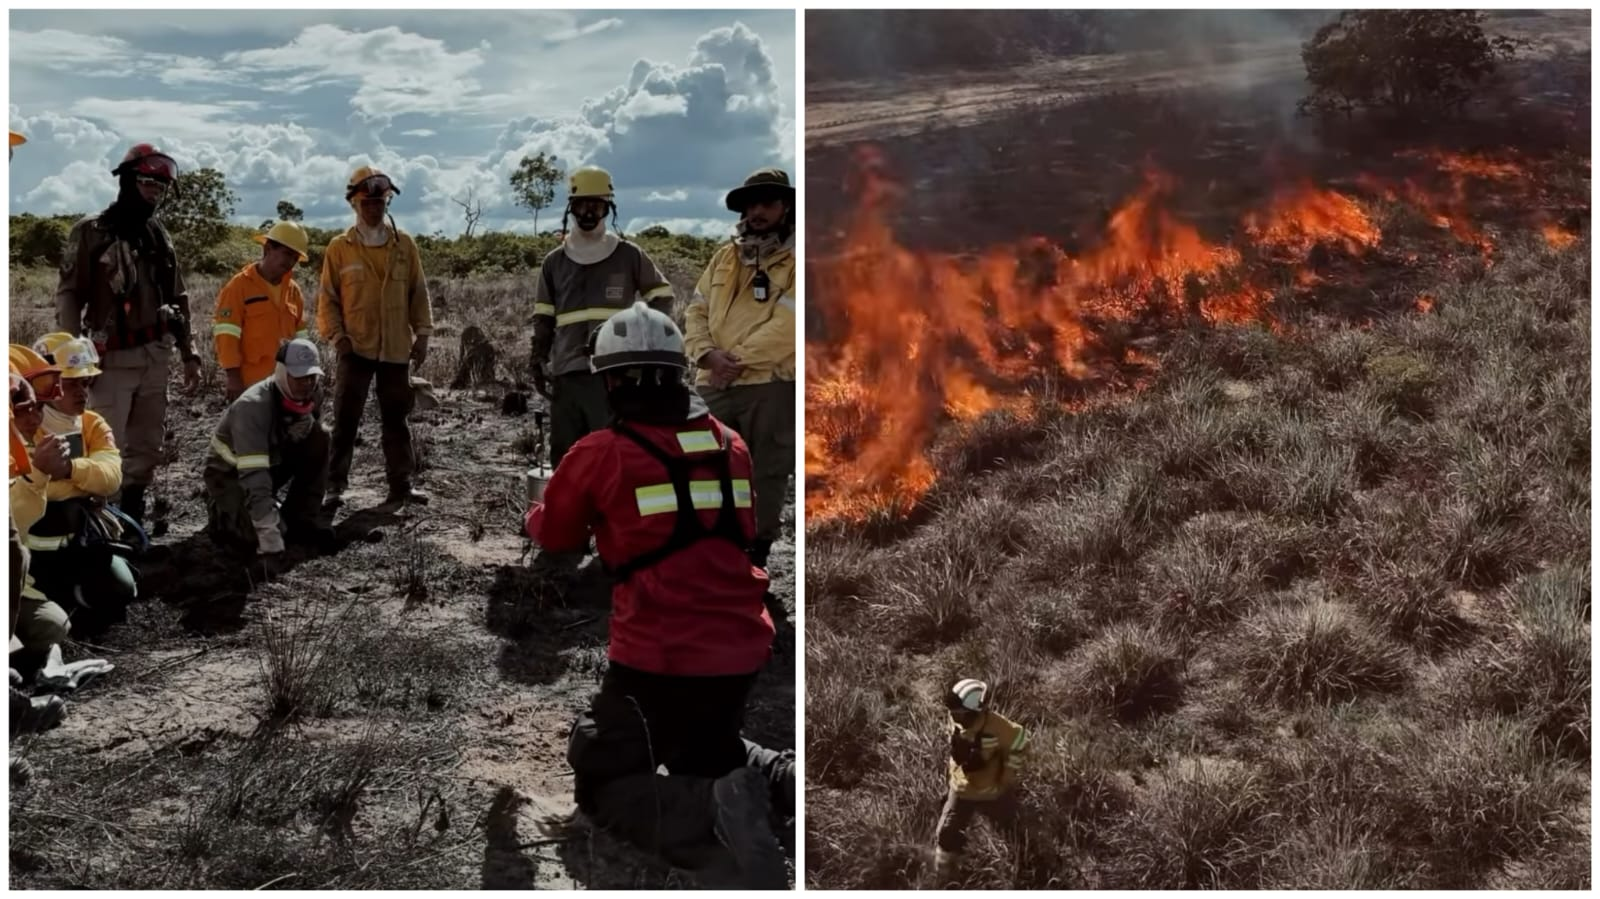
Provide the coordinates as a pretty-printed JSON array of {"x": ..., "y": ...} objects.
[{"x": 679, "y": 105}]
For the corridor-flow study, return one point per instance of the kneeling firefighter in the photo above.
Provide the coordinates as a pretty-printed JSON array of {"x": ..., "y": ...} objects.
[
  {"x": 665, "y": 490},
  {"x": 271, "y": 437}
]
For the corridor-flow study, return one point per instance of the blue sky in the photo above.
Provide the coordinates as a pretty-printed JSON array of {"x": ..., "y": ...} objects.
[{"x": 679, "y": 105}]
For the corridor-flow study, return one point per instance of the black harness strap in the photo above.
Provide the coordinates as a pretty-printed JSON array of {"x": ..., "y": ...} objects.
[{"x": 688, "y": 529}]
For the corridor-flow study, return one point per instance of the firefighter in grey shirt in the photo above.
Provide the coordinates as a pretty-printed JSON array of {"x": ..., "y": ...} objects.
[{"x": 590, "y": 277}]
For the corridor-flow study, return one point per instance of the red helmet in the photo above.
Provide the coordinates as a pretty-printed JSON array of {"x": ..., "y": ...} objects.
[{"x": 145, "y": 159}]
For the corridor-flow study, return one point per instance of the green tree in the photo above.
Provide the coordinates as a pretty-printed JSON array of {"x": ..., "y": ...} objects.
[
  {"x": 1402, "y": 61},
  {"x": 289, "y": 212},
  {"x": 534, "y": 184},
  {"x": 196, "y": 212}
]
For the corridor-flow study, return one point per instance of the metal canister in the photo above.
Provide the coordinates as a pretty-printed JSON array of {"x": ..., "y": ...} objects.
[{"x": 538, "y": 478}]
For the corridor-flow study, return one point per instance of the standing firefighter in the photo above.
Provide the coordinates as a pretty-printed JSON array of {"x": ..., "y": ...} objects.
[
  {"x": 986, "y": 753},
  {"x": 120, "y": 286},
  {"x": 374, "y": 309},
  {"x": 271, "y": 437},
  {"x": 666, "y": 492},
  {"x": 739, "y": 330},
  {"x": 592, "y": 275},
  {"x": 260, "y": 308}
]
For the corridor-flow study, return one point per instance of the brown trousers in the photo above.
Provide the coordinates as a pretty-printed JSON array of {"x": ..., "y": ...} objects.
[
  {"x": 131, "y": 394},
  {"x": 957, "y": 817},
  {"x": 352, "y": 385},
  {"x": 763, "y": 414}
]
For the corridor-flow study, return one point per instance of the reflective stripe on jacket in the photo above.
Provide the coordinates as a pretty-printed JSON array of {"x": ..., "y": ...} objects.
[
  {"x": 251, "y": 321},
  {"x": 698, "y": 612},
  {"x": 381, "y": 308}
]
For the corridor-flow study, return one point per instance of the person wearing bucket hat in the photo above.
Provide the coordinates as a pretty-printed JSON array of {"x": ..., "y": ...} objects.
[
  {"x": 121, "y": 286},
  {"x": 986, "y": 752},
  {"x": 373, "y": 308},
  {"x": 739, "y": 331},
  {"x": 591, "y": 276},
  {"x": 81, "y": 547},
  {"x": 260, "y": 308},
  {"x": 665, "y": 492},
  {"x": 272, "y": 437}
]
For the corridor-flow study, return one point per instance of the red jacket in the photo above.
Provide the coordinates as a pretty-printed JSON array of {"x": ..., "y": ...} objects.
[{"x": 698, "y": 612}]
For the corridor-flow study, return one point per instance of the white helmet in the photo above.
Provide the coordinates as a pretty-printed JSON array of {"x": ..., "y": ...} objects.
[
  {"x": 969, "y": 693},
  {"x": 639, "y": 336}
]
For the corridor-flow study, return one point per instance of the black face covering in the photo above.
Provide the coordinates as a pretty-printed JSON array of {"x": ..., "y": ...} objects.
[
  {"x": 131, "y": 212},
  {"x": 648, "y": 402}
]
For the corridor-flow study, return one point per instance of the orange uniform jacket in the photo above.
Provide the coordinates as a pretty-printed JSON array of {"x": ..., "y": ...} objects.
[{"x": 250, "y": 323}]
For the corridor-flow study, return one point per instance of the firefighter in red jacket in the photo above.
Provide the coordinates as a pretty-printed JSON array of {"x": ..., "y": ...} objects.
[{"x": 666, "y": 493}]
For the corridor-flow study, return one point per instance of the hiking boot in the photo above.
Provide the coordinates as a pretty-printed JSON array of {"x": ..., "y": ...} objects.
[
  {"x": 743, "y": 808},
  {"x": 319, "y": 537},
  {"x": 35, "y": 714},
  {"x": 945, "y": 867},
  {"x": 132, "y": 502},
  {"x": 782, "y": 784},
  {"x": 401, "y": 494}
]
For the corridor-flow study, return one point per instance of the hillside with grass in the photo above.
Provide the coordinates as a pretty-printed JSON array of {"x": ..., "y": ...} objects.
[
  {"x": 1305, "y": 613},
  {"x": 1243, "y": 452}
]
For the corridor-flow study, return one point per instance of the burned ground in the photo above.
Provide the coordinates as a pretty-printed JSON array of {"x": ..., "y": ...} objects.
[
  {"x": 394, "y": 716},
  {"x": 1300, "y": 601}
]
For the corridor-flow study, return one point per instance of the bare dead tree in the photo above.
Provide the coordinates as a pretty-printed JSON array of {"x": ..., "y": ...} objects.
[{"x": 471, "y": 209}]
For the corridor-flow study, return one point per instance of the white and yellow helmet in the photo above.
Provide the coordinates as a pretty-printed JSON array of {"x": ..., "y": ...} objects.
[
  {"x": 968, "y": 693},
  {"x": 75, "y": 356},
  {"x": 635, "y": 337}
]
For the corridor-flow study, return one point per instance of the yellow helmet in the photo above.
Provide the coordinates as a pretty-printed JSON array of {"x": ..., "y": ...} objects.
[
  {"x": 370, "y": 181},
  {"x": 291, "y": 235},
  {"x": 17, "y": 139},
  {"x": 590, "y": 181},
  {"x": 29, "y": 362},
  {"x": 75, "y": 356}
]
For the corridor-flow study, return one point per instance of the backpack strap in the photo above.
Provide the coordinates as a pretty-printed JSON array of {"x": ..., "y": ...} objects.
[{"x": 687, "y": 529}]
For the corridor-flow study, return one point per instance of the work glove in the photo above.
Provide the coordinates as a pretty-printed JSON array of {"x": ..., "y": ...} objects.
[
  {"x": 541, "y": 382},
  {"x": 419, "y": 350}
]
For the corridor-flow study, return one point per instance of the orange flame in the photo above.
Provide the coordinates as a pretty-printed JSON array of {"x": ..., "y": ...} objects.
[
  {"x": 913, "y": 339},
  {"x": 1556, "y": 236}
]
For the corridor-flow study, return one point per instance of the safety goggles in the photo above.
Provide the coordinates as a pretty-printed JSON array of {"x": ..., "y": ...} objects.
[
  {"x": 376, "y": 187},
  {"x": 156, "y": 165},
  {"x": 156, "y": 180}
]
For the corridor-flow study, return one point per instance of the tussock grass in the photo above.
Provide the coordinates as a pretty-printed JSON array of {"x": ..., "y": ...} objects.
[
  {"x": 1308, "y": 649},
  {"x": 1311, "y": 611}
]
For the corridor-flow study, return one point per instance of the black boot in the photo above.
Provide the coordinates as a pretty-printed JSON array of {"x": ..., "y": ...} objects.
[
  {"x": 759, "y": 550},
  {"x": 132, "y": 503}
]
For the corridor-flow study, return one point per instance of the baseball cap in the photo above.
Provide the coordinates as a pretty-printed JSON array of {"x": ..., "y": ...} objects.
[{"x": 300, "y": 357}]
